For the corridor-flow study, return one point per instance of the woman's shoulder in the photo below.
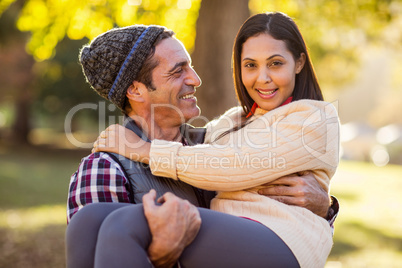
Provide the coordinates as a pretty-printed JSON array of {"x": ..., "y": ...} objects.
[
  {"x": 306, "y": 106},
  {"x": 228, "y": 120},
  {"x": 231, "y": 116},
  {"x": 312, "y": 104},
  {"x": 297, "y": 112},
  {"x": 234, "y": 112}
]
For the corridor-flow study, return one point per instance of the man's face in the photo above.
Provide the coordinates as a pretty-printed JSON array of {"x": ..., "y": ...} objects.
[{"x": 175, "y": 82}]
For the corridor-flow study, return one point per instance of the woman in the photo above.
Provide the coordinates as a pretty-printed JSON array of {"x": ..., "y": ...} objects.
[{"x": 282, "y": 127}]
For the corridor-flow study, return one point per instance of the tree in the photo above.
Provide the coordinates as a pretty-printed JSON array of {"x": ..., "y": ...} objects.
[
  {"x": 16, "y": 73},
  {"x": 16, "y": 69},
  {"x": 217, "y": 25}
]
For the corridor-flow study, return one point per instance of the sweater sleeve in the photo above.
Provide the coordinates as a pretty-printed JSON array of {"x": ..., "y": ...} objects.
[{"x": 303, "y": 135}]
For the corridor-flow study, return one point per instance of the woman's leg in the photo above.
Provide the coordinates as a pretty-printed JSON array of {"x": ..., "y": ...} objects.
[
  {"x": 223, "y": 241},
  {"x": 82, "y": 233},
  {"x": 228, "y": 241},
  {"x": 123, "y": 239}
]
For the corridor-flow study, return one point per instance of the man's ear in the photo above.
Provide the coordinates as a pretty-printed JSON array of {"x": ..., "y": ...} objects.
[
  {"x": 136, "y": 92},
  {"x": 300, "y": 63}
]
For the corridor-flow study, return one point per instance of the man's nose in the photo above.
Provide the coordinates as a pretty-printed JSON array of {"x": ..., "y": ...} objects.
[{"x": 193, "y": 79}]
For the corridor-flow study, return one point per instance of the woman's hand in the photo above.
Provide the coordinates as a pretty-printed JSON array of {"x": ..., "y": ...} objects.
[{"x": 120, "y": 140}]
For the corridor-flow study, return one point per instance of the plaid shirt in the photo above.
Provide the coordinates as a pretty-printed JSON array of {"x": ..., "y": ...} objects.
[
  {"x": 333, "y": 212},
  {"x": 100, "y": 179}
]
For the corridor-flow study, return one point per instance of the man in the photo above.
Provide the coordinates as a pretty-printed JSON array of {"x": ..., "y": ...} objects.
[{"x": 155, "y": 89}]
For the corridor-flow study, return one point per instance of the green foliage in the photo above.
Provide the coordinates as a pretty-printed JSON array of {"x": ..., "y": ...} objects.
[
  {"x": 50, "y": 21},
  {"x": 61, "y": 85},
  {"x": 334, "y": 30}
]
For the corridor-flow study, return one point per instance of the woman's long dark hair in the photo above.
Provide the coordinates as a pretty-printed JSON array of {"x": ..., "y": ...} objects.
[{"x": 280, "y": 27}]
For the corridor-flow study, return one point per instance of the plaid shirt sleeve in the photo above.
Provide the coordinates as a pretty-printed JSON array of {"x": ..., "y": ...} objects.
[
  {"x": 333, "y": 212},
  {"x": 98, "y": 179}
]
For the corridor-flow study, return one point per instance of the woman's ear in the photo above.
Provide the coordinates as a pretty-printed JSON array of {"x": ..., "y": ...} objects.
[
  {"x": 135, "y": 92},
  {"x": 300, "y": 63}
]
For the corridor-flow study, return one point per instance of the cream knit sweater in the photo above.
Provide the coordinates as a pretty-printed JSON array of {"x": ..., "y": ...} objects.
[{"x": 302, "y": 135}]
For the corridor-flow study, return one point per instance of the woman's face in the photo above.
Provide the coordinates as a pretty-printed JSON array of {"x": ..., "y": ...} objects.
[{"x": 268, "y": 70}]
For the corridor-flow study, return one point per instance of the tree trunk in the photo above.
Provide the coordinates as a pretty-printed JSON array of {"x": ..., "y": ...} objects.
[
  {"x": 217, "y": 25},
  {"x": 18, "y": 70},
  {"x": 16, "y": 74},
  {"x": 21, "y": 126}
]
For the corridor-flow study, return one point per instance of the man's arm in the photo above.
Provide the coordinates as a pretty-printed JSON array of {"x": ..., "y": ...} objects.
[
  {"x": 302, "y": 190},
  {"x": 98, "y": 179},
  {"x": 174, "y": 224}
]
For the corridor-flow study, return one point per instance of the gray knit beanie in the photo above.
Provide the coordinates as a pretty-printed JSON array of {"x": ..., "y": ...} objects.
[{"x": 112, "y": 61}]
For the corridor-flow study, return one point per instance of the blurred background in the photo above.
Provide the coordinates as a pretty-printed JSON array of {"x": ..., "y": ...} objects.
[{"x": 49, "y": 117}]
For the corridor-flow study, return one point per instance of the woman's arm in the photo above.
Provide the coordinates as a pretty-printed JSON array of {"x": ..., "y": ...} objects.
[
  {"x": 296, "y": 137},
  {"x": 303, "y": 135}
]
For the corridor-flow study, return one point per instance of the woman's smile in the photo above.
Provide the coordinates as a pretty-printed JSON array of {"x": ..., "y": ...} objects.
[{"x": 266, "y": 93}]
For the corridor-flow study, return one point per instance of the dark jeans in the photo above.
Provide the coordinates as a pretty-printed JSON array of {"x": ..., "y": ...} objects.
[{"x": 117, "y": 235}]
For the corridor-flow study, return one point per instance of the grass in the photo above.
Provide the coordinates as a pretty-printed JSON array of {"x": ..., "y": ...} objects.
[
  {"x": 368, "y": 231},
  {"x": 33, "y": 189},
  {"x": 33, "y": 177},
  {"x": 33, "y": 194}
]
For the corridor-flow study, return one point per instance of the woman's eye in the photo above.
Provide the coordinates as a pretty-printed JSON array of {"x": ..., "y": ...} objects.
[
  {"x": 276, "y": 63},
  {"x": 249, "y": 65}
]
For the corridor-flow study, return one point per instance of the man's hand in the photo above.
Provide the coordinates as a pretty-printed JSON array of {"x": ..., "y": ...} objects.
[
  {"x": 301, "y": 190},
  {"x": 173, "y": 226}
]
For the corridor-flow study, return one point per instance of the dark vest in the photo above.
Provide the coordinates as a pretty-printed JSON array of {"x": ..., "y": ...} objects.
[{"x": 142, "y": 181}]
